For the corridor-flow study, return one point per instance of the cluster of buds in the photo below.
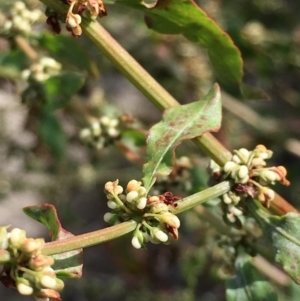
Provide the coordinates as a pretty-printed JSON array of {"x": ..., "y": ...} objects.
[
  {"x": 41, "y": 70},
  {"x": 250, "y": 177},
  {"x": 25, "y": 267},
  {"x": 20, "y": 19},
  {"x": 101, "y": 132},
  {"x": 89, "y": 8},
  {"x": 156, "y": 222},
  {"x": 180, "y": 177}
]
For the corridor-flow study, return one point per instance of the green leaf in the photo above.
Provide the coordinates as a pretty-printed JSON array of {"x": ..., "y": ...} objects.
[
  {"x": 186, "y": 18},
  {"x": 68, "y": 50},
  {"x": 248, "y": 284},
  {"x": 52, "y": 134},
  {"x": 178, "y": 124},
  {"x": 67, "y": 264},
  {"x": 59, "y": 89},
  {"x": 283, "y": 234},
  {"x": 15, "y": 59}
]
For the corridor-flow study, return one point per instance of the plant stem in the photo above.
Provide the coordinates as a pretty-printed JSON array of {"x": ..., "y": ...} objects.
[
  {"x": 88, "y": 239},
  {"x": 151, "y": 89},
  {"x": 201, "y": 197}
]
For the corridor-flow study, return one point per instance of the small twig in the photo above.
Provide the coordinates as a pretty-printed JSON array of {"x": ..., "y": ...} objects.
[{"x": 26, "y": 48}]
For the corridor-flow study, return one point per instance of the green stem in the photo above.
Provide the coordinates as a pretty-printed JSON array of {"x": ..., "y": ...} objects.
[
  {"x": 201, "y": 197},
  {"x": 88, "y": 239}
]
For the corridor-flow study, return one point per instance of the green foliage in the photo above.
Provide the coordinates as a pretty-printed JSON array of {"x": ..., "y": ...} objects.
[
  {"x": 284, "y": 235},
  {"x": 248, "y": 284},
  {"x": 52, "y": 134},
  {"x": 179, "y": 124},
  {"x": 67, "y": 264}
]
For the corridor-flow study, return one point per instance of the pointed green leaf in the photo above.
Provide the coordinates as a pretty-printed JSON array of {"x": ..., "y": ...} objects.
[
  {"x": 178, "y": 124},
  {"x": 284, "y": 235},
  {"x": 53, "y": 134},
  {"x": 187, "y": 18},
  {"x": 67, "y": 264},
  {"x": 248, "y": 284}
]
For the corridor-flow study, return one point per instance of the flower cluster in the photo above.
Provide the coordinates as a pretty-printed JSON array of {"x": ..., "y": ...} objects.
[
  {"x": 250, "y": 177},
  {"x": 101, "y": 132},
  {"x": 20, "y": 19},
  {"x": 90, "y": 8},
  {"x": 156, "y": 222},
  {"x": 24, "y": 266},
  {"x": 43, "y": 69}
]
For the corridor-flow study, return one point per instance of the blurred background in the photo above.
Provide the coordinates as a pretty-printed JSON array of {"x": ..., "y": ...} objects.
[{"x": 49, "y": 151}]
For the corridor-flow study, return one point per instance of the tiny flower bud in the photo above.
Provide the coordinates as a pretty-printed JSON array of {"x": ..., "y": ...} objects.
[
  {"x": 142, "y": 191},
  {"x": 51, "y": 282},
  {"x": 109, "y": 217},
  {"x": 133, "y": 185},
  {"x": 282, "y": 171},
  {"x": 184, "y": 162},
  {"x": 31, "y": 245},
  {"x": 109, "y": 186},
  {"x": 226, "y": 199},
  {"x": 243, "y": 172},
  {"x": 85, "y": 134},
  {"x": 261, "y": 148},
  {"x": 258, "y": 162},
  {"x": 154, "y": 199},
  {"x": 40, "y": 262},
  {"x": 118, "y": 189},
  {"x": 111, "y": 204},
  {"x": 136, "y": 243},
  {"x": 236, "y": 159},
  {"x": 48, "y": 282},
  {"x": 96, "y": 128},
  {"x": 269, "y": 175},
  {"x": 142, "y": 203},
  {"x": 131, "y": 196},
  {"x": 230, "y": 217},
  {"x": 105, "y": 120},
  {"x": 270, "y": 194},
  {"x": 24, "y": 289},
  {"x": 244, "y": 153},
  {"x": 17, "y": 237},
  {"x": 160, "y": 235},
  {"x": 19, "y": 6},
  {"x": 113, "y": 123},
  {"x": 235, "y": 211},
  {"x": 229, "y": 166},
  {"x": 73, "y": 20},
  {"x": 170, "y": 219}
]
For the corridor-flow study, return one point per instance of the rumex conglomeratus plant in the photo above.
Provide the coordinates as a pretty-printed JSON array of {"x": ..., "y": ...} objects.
[{"x": 242, "y": 178}]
